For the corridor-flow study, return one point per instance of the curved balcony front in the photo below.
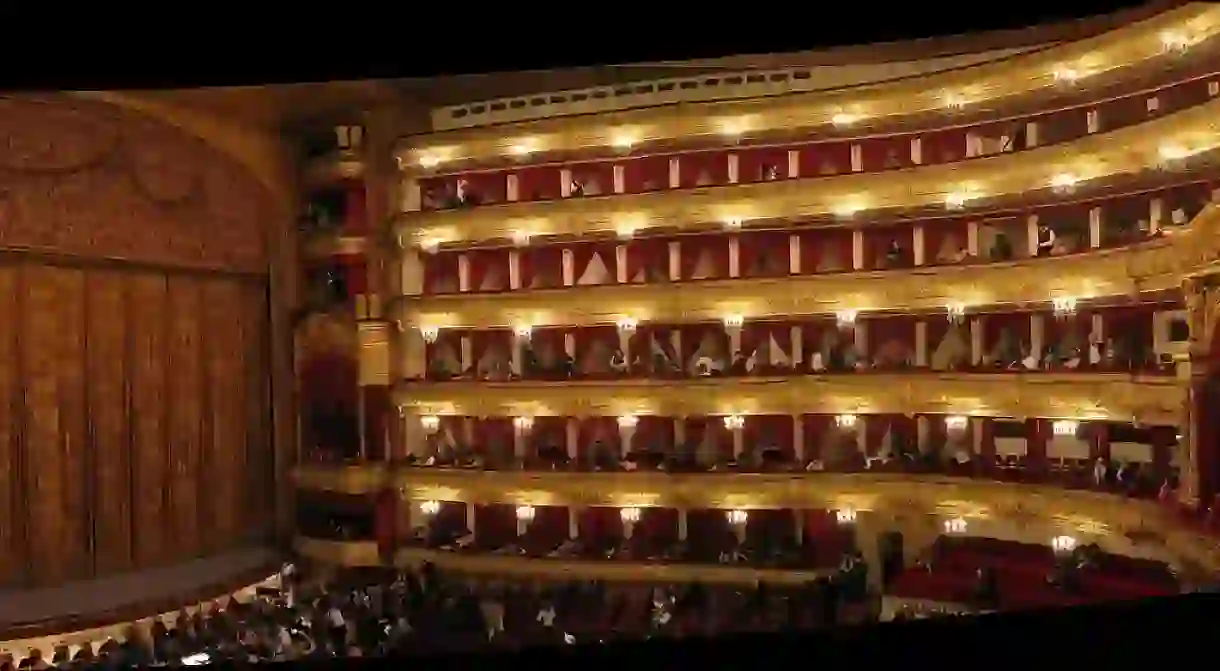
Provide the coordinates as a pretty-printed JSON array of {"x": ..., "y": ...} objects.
[
  {"x": 1020, "y": 75},
  {"x": 834, "y": 200},
  {"x": 1084, "y": 396}
]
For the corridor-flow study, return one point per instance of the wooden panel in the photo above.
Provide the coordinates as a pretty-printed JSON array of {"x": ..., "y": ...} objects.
[
  {"x": 222, "y": 302},
  {"x": 260, "y": 454},
  {"x": 77, "y": 543},
  {"x": 184, "y": 387},
  {"x": 43, "y": 454},
  {"x": 110, "y": 441},
  {"x": 12, "y": 500},
  {"x": 147, "y": 312}
]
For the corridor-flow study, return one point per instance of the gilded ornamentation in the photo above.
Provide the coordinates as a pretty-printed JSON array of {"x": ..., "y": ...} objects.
[
  {"x": 85, "y": 178},
  {"x": 1124, "y": 151},
  {"x": 915, "y": 96},
  {"x": 1116, "y": 397}
]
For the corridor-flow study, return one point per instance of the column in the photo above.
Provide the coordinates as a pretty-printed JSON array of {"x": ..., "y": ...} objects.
[
  {"x": 917, "y": 245},
  {"x": 861, "y": 337},
  {"x": 411, "y": 272},
  {"x": 798, "y": 521},
  {"x": 739, "y": 439},
  {"x": 568, "y": 263},
  {"x": 626, "y": 328},
  {"x": 1037, "y": 335},
  {"x": 972, "y": 238},
  {"x": 675, "y": 172},
  {"x": 1031, "y": 134},
  {"x": 921, "y": 344},
  {"x": 464, "y": 273},
  {"x": 620, "y": 264},
  {"x": 917, "y": 151},
  {"x": 411, "y": 197},
  {"x": 1095, "y": 223},
  {"x": 626, "y": 433},
  {"x": 512, "y": 188},
  {"x": 734, "y": 168},
  {"x": 362, "y": 423},
  {"x": 413, "y": 345},
  {"x": 467, "y": 352},
  {"x": 620, "y": 179},
  {"x": 794, "y": 254},
  {"x": 572, "y": 438},
  {"x": 675, "y": 261},
  {"x": 514, "y": 269},
  {"x": 1156, "y": 212},
  {"x": 471, "y": 516},
  {"x": 734, "y": 256},
  {"x": 732, "y": 327},
  {"x": 798, "y": 439},
  {"x": 681, "y": 524},
  {"x": 857, "y": 249},
  {"x": 976, "y": 341},
  {"x": 522, "y": 427},
  {"x": 565, "y": 182},
  {"x": 1031, "y": 235},
  {"x": 521, "y": 338},
  {"x": 798, "y": 346},
  {"x": 573, "y": 522},
  {"x": 794, "y": 163},
  {"x": 679, "y": 431}
]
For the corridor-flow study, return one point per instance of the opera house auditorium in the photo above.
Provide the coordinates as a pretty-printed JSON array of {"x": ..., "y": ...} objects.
[{"x": 742, "y": 344}]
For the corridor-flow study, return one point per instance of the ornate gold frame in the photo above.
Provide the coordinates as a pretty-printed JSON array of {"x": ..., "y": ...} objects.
[
  {"x": 1126, "y": 150},
  {"x": 1019, "y": 75},
  {"x": 1082, "y": 396}
]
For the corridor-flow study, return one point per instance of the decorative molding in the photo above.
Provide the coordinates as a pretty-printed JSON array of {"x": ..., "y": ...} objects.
[
  {"x": 1102, "y": 396},
  {"x": 1151, "y": 266},
  {"x": 1010, "y": 78}
]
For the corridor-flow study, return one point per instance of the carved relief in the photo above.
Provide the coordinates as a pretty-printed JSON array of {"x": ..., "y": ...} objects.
[{"x": 84, "y": 178}]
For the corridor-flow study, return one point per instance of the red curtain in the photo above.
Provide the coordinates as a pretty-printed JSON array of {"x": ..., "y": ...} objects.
[
  {"x": 448, "y": 344},
  {"x": 815, "y": 429},
  {"x": 550, "y": 432},
  {"x": 826, "y": 250},
  {"x": 583, "y": 255},
  {"x": 329, "y": 381},
  {"x": 825, "y": 158},
  {"x": 764, "y": 524},
  {"x": 943, "y": 146},
  {"x": 355, "y": 209},
  {"x": 488, "y": 187},
  {"x": 877, "y": 243},
  {"x": 542, "y": 267},
  {"x": 1072, "y": 330},
  {"x": 885, "y": 153},
  {"x": 434, "y": 190},
  {"x": 764, "y": 254},
  {"x": 659, "y": 525},
  {"x": 495, "y": 525},
  {"x": 451, "y": 515},
  {"x": 704, "y": 168},
  {"x": 592, "y": 345},
  {"x": 1164, "y": 438},
  {"x": 483, "y": 340},
  {"x": 549, "y": 527},
  {"x": 650, "y": 173},
  {"x": 943, "y": 239},
  {"x": 696, "y": 335},
  {"x": 706, "y": 256},
  {"x": 648, "y": 260},
  {"x": 488, "y": 269},
  {"x": 762, "y": 164},
  {"x": 812, "y": 333},
  {"x": 891, "y": 340},
  {"x": 937, "y": 435},
  {"x": 1099, "y": 440},
  {"x": 769, "y": 431},
  {"x": 875, "y": 428},
  {"x": 441, "y": 272},
  {"x": 1061, "y": 126},
  {"x": 1133, "y": 326},
  {"x": 593, "y": 430},
  {"x": 642, "y": 347},
  {"x": 547, "y": 344},
  {"x": 707, "y": 530},
  {"x": 600, "y": 523},
  {"x": 596, "y": 178},
  {"x": 994, "y": 324},
  {"x": 653, "y": 432},
  {"x": 377, "y": 408},
  {"x": 541, "y": 183}
]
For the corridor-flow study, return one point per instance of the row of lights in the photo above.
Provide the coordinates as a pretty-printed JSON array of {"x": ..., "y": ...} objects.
[
  {"x": 1060, "y": 427},
  {"x": 632, "y": 514},
  {"x": 1062, "y": 307},
  {"x": 627, "y": 139},
  {"x": 957, "y": 526}
]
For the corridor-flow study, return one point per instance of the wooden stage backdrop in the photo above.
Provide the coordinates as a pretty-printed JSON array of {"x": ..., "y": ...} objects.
[{"x": 135, "y": 394}]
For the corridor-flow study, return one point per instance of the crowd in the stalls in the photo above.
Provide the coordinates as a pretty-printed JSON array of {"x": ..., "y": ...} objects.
[{"x": 380, "y": 612}]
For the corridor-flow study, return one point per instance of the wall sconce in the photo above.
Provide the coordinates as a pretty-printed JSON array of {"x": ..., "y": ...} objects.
[
  {"x": 1066, "y": 75},
  {"x": 954, "y": 101},
  {"x": 623, "y": 140},
  {"x": 956, "y": 312},
  {"x": 734, "y": 422},
  {"x": 523, "y": 423},
  {"x": 1063, "y": 544},
  {"x": 430, "y": 508},
  {"x": 956, "y": 525},
  {"x": 846, "y": 318},
  {"x": 627, "y": 325},
  {"x": 732, "y": 224},
  {"x": 430, "y": 423},
  {"x": 845, "y": 421},
  {"x": 523, "y": 332},
  {"x": 1171, "y": 157},
  {"x": 523, "y": 148},
  {"x": 1064, "y": 184},
  {"x": 956, "y": 423},
  {"x": 845, "y": 516},
  {"x": 1174, "y": 43},
  {"x": 430, "y": 333},
  {"x": 956, "y": 201},
  {"x": 1063, "y": 307},
  {"x": 734, "y": 321},
  {"x": 628, "y": 421},
  {"x": 843, "y": 119},
  {"x": 526, "y": 513},
  {"x": 429, "y": 161},
  {"x": 1065, "y": 427},
  {"x": 520, "y": 238},
  {"x": 737, "y": 517},
  {"x": 629, "y": 515}
]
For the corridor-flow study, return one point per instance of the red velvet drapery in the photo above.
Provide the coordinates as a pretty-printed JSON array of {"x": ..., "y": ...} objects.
[
  {"x": 1039, "y": 433},
  {"x": 764, "y": 254},
  {"x": 488, "y": 188},
  {"x": 482, "y": 342},
  {"x": 540, "y": 183},
  {"x": 762, "y": 164},
  {"x": 541, "y": 267},
  {"x": 595, "y": 433},
  {"x": 549, "y": 528},
  {"x": 944, "y": 240},
  {"x": 815, "y": 430},
  {"x": 704, "y": 168},
  {"x": 885, "y": 153},
  {"x": 707, "y": 338},
  {"x": 826, "y": 251},
  {"x": 495, "y": 525},
  {"x": 647, "y": 340},
  {"x": 593, "y": 346},
  {"x": 766, "y": 525},
  {"x": 943, "y": 146},
  {"x": 825, "y": 158},
  {"x": 355, "y": 208},
  {"x": 657, "y": 525},
  {"x": 1131, "y": 325},
  {"x": 488, "y": 269},
  {"x": 650, "y": 173},
  {"x": 891, "y": 340},
  {"x": 769, "y": 432},
  {"x": 705, "y": 257},
  {"x": 601, "y": 523},
  {"x": 441, "y": 272},
  {"x": 596, "y": 178},
  {"x": 996, "y": 323},
  {"x": 594, "y": 263},
  {"x": 653, "y": 433},
  {"x": 647, "y": 260},
  {"x": 878, "y": 241}
]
